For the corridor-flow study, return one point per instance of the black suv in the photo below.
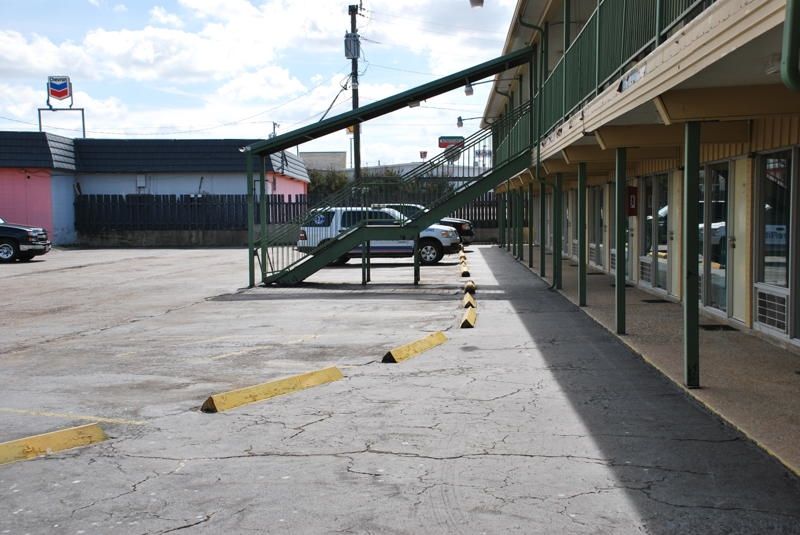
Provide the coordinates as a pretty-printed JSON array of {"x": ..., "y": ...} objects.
[{"x": 21, "y": 242}]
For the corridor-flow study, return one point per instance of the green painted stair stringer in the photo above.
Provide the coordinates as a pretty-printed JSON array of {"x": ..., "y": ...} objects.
[
  {"x": 343, "y": 243},
  {"x": 334, "y": 249},
  {"x": 508, "y": 170}
]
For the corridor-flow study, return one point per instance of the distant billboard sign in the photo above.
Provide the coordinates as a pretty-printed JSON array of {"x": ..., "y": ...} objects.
[
  {"x": 59, "y": 87},
  {"x": 450, "y": 141}
]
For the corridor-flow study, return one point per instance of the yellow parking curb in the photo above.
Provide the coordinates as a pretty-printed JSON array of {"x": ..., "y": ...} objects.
[
  {"x": 469, "y": 301},
  {"x": 464, "y": 270},
  {"x": 413, "y": 349},
  {"x": 470, "y": 318},
  {"x": 470, "y": 287},
  {"x": 251, "y": 394},
  {"x": 38, "y": 445}
]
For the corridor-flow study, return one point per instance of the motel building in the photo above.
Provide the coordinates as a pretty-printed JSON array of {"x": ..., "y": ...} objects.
[{"x": 668, "y": 147}]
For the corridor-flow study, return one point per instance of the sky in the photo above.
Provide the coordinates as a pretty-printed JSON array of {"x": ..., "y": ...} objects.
[{"x": 230, "y": 68}]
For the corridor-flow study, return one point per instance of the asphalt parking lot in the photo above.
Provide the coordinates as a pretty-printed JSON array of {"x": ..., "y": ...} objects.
[
  {"x": 136, "y": 335},
  {"x": 536, "y": 421}
]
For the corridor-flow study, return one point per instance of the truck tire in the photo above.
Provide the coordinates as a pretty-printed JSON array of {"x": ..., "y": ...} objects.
[
  {"x": 9, "y": 251},
  {"x": 430, "y": 251}
]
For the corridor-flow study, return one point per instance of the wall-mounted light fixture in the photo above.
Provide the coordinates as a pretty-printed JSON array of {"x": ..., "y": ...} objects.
[
  {"x": 476, "y": 3},
  {"x": 469, "y": 91},
  {"x": 460, "y": 121}
]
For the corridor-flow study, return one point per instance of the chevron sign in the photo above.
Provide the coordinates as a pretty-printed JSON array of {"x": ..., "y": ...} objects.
[{"x": 59, "y": 87}]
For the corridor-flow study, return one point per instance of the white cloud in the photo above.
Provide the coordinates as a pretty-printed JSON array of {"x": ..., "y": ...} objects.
[
  {"x": 120, "y": 8},
  {"x": 266, "y": 84},
  {"x": 95, "y": 3},
  {"x": 240, "y": 64},
  {"x": 159, "y": 15}
]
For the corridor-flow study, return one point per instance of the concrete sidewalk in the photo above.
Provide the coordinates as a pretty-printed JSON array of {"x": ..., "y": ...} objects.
[{"x": 750, "y": 382}]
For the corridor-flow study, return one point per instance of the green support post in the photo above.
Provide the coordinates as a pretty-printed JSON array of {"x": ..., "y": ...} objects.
[
  {"x": 416, "y": 259},
  {"x": 262, "y": 201},
  {"x": 557, "y": 234},
  {"x": 250, "y": 222},
  {"x": 512, "y": 218},
  {"x": 521, "y": 248},
  {"x": 530, "y": 224},
  {"x": 369, "y": 261},
  {"x": 790, "y": 47},
  {"x": 363, "y": 263},
  {"x": 509, "y": 218},
  {"x": 501, "y": 220},
  {"x": 621, "y": 215},
  {"x": 520, "y": 224},
  {"x": 542, "y": 230},
  {"x": 582, "y": 234},
  {"x": 690, "y": 240}
]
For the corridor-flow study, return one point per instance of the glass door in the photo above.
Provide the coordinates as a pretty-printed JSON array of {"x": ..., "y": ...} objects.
[
  {"x": 715, "y": 236},
  {"x": 654, "y": 264},
  {"x": 595, "y": 226}
]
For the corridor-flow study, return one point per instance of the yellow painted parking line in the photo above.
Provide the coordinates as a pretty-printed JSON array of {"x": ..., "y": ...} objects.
[
  {"x": 413, "y": 349},
  {"x": 38, "y": 445},
  {"x": 251, "y": 394},
  {"x": 469, "y": 301},
  {"x": 71, "y": 416},
  {"x": 470, "y": 318}
]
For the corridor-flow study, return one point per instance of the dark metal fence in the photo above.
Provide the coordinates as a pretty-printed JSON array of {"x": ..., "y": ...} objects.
[{"x": 98, "y": 213}]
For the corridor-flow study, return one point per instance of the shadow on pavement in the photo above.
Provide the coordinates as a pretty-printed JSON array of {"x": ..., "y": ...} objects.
[{"x": 684, "y": 469}]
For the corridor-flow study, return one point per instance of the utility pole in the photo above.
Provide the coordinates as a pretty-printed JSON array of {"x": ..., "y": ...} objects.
[{"x": 352, "y": 52}]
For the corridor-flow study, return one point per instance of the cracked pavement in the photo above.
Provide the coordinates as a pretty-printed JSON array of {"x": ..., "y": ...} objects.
[{"x": 536, "y": 421}]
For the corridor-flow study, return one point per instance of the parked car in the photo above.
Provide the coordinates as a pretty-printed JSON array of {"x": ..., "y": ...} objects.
[
  {"x": 21, "y": 242},
  {"x": 463, "y": 226},
  {"x": 435, "y": 241}
]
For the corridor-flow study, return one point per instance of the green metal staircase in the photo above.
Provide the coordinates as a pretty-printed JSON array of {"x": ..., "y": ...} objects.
[
  {"x": 449, "y": 180},
  {"x": 453, "y": 178}
]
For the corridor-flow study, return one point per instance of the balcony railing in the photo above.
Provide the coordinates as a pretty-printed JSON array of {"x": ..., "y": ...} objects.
[{"x": 618, "y": 34}]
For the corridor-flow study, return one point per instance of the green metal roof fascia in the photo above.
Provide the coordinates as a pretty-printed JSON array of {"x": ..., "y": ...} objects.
[{"x": 390, "y": 104}]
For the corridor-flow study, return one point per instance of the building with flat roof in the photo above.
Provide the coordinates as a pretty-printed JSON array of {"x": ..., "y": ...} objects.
[{"x": 42, "y": 174}]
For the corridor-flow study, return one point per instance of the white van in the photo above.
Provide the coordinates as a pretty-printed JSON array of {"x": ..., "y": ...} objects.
[{"x": 326, "y": 223}]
